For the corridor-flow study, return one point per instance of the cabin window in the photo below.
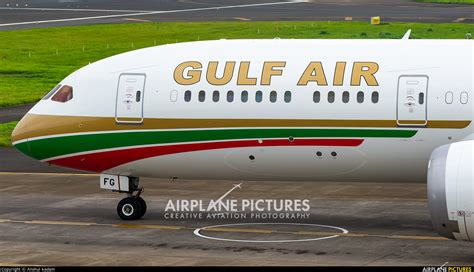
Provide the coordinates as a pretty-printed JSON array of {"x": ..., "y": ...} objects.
[
  {"x": 230, "y": 96},
  {"x": 244, "y": 96},
  {"x": 258, "y": 96},
  {"x": 345, "y": 97},
  {"x": 50, "y": 93},
  {"x": 63, "y": 95},
  {"x": 464, "y": 98},
  {"x": 448, "y": 97},
  {"x": 273, "y": 96},
  {"x": 375, "y": 97},
  {"x": 187, "y": 96},
  {"x": 421, "y": 98},
  {"x": 316, "y": 97},
  {"x": 287, "y": 97},
  {"x": 215, "y": 96},
  {"x": 174, "y": 96},
  {"x": 360, "y": 97},
  {"x": 202, "y": 96},
  {"x": 331, "y": 97}
]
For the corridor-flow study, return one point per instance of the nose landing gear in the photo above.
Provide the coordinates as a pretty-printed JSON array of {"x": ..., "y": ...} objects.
[{"x": 132, "y": 207}]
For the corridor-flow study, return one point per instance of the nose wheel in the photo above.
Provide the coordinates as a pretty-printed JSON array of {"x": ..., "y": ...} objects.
[{"x": 132, "y": 207}]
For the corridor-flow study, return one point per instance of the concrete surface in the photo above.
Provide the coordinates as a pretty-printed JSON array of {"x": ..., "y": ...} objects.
[
  {"x": 18, "y": 11},
  {"x": 11, "y": 160},
  {"x": 65, "y": 219},
  {"x": 14, "y": 113}
]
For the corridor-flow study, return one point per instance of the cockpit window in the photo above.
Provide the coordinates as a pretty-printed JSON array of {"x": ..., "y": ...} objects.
[
  {"x": 63, "y": 95},
  {"x": 50, "y": 93}
]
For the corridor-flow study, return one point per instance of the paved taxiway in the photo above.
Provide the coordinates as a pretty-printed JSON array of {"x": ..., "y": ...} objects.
[
  {"x": 15, "y": 12},
  {"x": 65, "y": 219}
]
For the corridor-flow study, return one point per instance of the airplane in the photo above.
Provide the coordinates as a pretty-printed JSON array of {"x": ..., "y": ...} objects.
[{"x": 269, "y": 109}]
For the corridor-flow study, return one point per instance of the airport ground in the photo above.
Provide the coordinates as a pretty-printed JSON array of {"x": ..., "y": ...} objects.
[
  {"x": 14, "y": 13},
  {"x": 64, "y": 219}
]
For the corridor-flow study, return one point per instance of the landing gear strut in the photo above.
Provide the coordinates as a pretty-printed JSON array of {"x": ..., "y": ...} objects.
[{"x": 132, "y": 207}]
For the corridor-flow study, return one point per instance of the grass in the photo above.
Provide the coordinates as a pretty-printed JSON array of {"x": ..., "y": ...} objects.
[
  {"x": 5, "y": 132},
  {"x": 33, "y": 61},
  {"x": 471, "y": 2}
]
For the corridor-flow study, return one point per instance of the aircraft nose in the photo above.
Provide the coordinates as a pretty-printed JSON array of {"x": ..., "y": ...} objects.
[{"x": 25, "y": 129}]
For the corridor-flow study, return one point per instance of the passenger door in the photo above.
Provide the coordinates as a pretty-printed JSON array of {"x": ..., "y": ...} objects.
[
  {"x": 130, "y": 94},
  {"x": 412, "y": 100}
]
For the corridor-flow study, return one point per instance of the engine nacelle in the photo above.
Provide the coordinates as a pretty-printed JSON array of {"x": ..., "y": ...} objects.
[{"x": 451, "y": 190}]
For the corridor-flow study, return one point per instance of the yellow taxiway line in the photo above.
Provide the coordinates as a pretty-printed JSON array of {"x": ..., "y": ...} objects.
[
  {"x": 137, "y": 20},
  {"x": 19, "y": 265},
  {"x": 223, "y": 229},
  {"x": 242, "y": 19},
  {"x": 458, "y": 20}
]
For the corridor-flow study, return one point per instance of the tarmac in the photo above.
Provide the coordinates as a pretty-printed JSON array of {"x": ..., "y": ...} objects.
[
  {"x": 65, "y": 219},
  {"x": 20, "y": 14}
]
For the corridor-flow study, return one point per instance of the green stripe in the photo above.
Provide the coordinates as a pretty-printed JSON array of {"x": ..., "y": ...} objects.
[{"x": 62, "y": 145}]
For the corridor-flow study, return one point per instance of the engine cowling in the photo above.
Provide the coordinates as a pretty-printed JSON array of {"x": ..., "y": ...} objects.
[{"x": 451, "y": 190}]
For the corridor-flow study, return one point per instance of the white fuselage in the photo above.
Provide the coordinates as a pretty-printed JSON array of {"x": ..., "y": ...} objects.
[{"x": 423, "y": 87}]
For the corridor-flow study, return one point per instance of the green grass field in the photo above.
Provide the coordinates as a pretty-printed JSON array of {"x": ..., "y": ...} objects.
[
  {"x": 5, "y": 132},
  {"x": 471, "y": 2},
  {"x": 33, "y": 61}
]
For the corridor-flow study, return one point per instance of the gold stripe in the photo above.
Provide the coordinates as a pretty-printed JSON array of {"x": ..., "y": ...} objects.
[
  {"x": 412, "y": 122},
  {"x": 448, "y": 124},
  {"x": 129, "y": 119},
  {"x": 33, "y": 125}
]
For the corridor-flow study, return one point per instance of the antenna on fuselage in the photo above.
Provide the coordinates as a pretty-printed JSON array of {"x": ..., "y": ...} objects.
[{"x": 407, "y": 35}]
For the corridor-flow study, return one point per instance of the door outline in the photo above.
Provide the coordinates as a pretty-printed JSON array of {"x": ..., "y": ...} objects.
[
  {"x": 138, "y": 121},
  {"x": 426, "y": 103}
]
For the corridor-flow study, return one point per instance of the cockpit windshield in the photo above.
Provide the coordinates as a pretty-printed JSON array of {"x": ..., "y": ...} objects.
[
  {"x": 50, "y": 93},
  {"x": 63, "y": 95}
]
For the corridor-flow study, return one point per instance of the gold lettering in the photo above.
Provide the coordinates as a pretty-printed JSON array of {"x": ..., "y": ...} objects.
[
  {"x": 212, "y": 73},
  {"x": 192, "y": 77},
  {"x": 338, "y": 79},
  {"x": 366, "y": 70},
  {"x": 243, "y": 78},
  {"x": 268, "y": 71},
  {"x": 314, "y": 72}
]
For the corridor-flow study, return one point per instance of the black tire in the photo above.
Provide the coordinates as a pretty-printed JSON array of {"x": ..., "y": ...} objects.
[
  {"x": 143, "y": 204},
  {"x": 129, "y": 208}
]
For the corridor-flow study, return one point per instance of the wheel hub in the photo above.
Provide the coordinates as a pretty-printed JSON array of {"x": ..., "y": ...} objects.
[{"x": 127, "y": 209}]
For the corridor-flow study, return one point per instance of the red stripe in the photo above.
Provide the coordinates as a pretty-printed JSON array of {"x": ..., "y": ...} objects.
[{"x": 101, "y": 161}]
